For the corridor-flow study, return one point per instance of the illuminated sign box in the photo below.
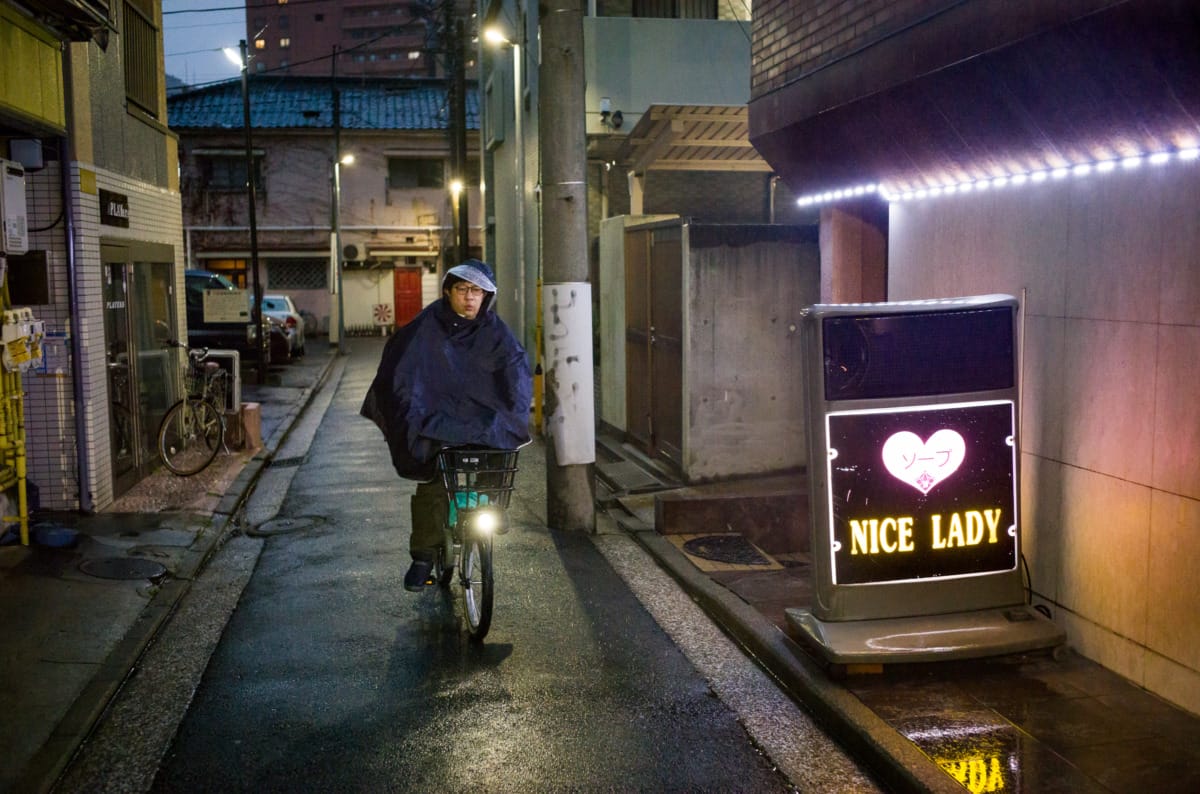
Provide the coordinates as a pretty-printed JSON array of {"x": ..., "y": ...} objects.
[
  {"x": 919, "y": 493},
  {"x": 914, "y": 475}
]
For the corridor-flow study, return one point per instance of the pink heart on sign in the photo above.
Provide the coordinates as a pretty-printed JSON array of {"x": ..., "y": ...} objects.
[{"x": 923, "y": 464}]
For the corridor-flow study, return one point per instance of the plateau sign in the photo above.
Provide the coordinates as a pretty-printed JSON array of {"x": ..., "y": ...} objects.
[{"x": 922, "y": 492}]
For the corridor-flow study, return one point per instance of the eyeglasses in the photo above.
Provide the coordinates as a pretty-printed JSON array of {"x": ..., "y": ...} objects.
[{"x": 464, "y": 290}]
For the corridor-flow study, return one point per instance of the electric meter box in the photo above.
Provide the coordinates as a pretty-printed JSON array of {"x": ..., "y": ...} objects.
[
  {"x": 912, "y": 412},
  {"x": 14, "y": 228}
]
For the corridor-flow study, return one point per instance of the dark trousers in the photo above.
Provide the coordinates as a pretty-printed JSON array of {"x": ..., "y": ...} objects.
[{"x": 429, "y": 510}]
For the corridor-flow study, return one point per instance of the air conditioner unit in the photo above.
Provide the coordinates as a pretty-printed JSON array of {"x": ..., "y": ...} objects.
[
  {"x": 14, "y": 227},
  {"x": 354, "y": 252}
]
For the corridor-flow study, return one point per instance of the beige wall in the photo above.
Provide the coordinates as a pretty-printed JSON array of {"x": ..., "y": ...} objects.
[{"x": 1110, "y": 432}]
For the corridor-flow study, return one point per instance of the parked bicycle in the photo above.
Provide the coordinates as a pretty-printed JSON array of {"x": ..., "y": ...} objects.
[
  {"x": 479, "y": 484},
  {"x": 193, "y": 429}
]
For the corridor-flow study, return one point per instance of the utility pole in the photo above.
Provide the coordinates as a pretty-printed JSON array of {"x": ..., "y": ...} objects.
[
  {"x": 567, "y": 296},
  {"x": 456, "y": 101},
  {"x": 251, "y": 201}
]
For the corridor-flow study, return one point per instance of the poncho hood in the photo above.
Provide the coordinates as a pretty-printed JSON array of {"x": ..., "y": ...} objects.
[{"x": 479, "y": 274}]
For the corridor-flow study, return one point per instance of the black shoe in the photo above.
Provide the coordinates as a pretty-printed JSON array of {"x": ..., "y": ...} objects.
[{"x": 418, "y": 575}]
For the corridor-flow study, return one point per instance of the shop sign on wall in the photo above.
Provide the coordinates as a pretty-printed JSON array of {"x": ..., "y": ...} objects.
[
  {"x": 922, "y": 492},
  {"x": 114, "y": 209}
]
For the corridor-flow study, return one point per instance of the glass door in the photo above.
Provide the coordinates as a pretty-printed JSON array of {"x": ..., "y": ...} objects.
[
  {"x": 123, "y": 421},
  {"x": 143, "y": 375}
]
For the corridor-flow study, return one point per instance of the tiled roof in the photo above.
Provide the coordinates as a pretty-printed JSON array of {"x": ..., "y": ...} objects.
[{"x": 307, "y": 103}]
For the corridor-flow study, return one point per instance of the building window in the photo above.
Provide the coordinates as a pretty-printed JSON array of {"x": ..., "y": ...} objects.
[
  {"x": 227, "y": 172},
  {"x": 285, "y": 42},
  {"x": 140, "y": 55},
  {"x": 260, "y": 44},
  {"x": 298, "y": 273},
  {"x": 409, "y": 172},
  {"x": 676, "y": 9},
  {"x": 318, "y": 17}
]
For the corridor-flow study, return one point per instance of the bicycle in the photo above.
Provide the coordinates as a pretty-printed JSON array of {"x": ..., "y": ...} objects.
[
  {"x": 479, "y": 484},
  {"x": 193, "y": 429}
]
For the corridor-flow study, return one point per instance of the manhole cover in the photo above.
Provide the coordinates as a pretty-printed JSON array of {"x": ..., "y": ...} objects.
[
  {"x": 280, "y": 526},
  {"x": 123, "y": 568},
  {"x": 732, "y": 549}
]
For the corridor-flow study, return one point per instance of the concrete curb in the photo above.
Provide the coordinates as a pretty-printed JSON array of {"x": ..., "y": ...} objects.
[
  {"x": 52, "y": 759},
  {"x": 895, "y": 761}
]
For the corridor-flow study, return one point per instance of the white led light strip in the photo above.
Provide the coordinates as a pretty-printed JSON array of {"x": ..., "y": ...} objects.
[{"x": 888, "y": 194}]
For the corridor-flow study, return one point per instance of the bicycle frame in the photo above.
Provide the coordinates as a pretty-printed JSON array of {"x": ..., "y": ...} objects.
[{"x": 478, "y": 484}]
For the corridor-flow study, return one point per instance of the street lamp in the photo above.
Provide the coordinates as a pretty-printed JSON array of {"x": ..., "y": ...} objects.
[
  {"x": 338, "y": 162},
  {"x": 529, "y": 311},
  {"x": 243, "y": 63}
]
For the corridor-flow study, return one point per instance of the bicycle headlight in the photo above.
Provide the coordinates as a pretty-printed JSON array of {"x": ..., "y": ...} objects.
[{"x": 487, "y": 520}]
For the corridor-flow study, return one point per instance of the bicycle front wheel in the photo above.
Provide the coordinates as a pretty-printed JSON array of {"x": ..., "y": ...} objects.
[
  {"x": 477, "y": 584},
  {"x": 189, "y": 436}
]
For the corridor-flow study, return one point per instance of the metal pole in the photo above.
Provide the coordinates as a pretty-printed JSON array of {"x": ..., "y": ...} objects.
[
  {"x": 343, "y": 348},
  {"x": 256, "y": 311},
  {"x": 570, "y": 411},
  {"x": 460, "y": 140}
]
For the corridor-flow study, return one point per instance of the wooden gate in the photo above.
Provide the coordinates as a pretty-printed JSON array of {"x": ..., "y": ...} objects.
[
  {"x": 654, "y": 340},
  {"x": 406, "y": 292}
]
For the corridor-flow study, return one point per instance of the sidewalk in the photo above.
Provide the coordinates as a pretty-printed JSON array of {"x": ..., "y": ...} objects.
[
  {"x": 76, "y": 619},
  {"x": 1032, "y": 722}
]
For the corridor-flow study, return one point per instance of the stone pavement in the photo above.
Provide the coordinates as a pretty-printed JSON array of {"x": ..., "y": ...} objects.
[{"x": 76, "y": 619}]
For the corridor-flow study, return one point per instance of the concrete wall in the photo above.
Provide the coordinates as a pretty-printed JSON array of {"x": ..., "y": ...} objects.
[
  {"x": 1111, "y": 422},
  {"x": 742, "y": 408},
  {"x": 742, "y": 379},
  {"x": 610, "y": 385},
  {"x": 638, "y": 62}
]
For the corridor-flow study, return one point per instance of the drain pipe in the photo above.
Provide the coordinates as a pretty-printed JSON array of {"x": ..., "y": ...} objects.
[
  {"x": 772, "y": 182},
  {"x": 67, "y": 157}
]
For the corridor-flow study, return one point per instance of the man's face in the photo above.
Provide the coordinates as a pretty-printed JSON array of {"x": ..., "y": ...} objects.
[{"x": 465, "y": 299}]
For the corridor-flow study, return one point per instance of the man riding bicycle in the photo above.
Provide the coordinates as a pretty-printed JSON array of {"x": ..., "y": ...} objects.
[{"x": 454, "y": 375}]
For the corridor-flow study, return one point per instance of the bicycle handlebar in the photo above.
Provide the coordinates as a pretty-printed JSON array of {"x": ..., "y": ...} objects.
[{"x": 198, "y": 353}]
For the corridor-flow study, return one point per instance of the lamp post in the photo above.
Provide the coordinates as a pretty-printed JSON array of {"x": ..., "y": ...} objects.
[
  {"x": 243, "y": 63},
  {"x": 497, "y": 39},
  {"x": 343, "y": 348},
  {"x": 528, "y": 309}
]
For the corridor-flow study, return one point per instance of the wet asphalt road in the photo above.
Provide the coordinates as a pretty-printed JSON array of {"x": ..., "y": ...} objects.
[{"x": 329, "y": 676}]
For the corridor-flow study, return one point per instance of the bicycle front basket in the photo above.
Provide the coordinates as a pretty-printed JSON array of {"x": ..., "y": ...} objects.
[
  {"x": 193, "y": 382},
  {"x": 478, "y": 476}
]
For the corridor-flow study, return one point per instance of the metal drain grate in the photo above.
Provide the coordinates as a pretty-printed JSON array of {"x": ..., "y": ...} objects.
[
  {"x": 731, "y": 549},
  {"x": 123, "y": 568},
  {"x": 282, "y": 526},
  {"x": 283, "y": 463}
]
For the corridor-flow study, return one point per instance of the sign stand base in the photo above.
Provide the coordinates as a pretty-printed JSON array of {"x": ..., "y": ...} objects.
[{"x": 928, "y": 638}]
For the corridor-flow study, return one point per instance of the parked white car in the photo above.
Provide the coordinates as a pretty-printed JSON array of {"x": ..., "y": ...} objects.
[{"x": 281, "y": 308}]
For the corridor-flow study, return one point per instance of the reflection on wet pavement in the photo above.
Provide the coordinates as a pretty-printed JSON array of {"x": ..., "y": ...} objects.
[{"x": 1037, "y": 722}]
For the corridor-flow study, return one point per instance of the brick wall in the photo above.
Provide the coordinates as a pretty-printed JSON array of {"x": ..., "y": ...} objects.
[{"x": 793, "y": 39}]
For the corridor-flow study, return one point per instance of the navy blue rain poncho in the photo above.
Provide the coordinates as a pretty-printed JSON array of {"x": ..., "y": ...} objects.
[{"x": 445, "y": 380}]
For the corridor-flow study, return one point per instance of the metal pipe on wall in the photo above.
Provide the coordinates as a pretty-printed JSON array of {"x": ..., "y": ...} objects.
[{"x": 66, "y": 157}]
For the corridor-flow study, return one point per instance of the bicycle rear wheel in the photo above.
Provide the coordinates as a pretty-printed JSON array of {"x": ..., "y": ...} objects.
[
  {"x": 478, "y": 584},
  {"x": 189, "y": 436}
]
